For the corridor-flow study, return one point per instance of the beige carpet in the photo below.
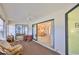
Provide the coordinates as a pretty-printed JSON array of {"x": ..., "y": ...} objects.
[{"x": 33, "y": 48}]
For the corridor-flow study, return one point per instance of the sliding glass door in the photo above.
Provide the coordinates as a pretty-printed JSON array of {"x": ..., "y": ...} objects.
[
  {"x": 43, "y": 32},
  {"x": 21, "y": 30}
]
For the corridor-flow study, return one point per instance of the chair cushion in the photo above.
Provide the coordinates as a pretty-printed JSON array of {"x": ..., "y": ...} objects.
[{"x": 8, "y": 49}]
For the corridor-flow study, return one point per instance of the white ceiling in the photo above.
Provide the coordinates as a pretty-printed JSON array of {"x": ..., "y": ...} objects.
[{"x": 24, "y": 12}]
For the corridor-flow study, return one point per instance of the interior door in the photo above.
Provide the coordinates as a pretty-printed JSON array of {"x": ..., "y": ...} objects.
[{"x": 73, "y": 31}]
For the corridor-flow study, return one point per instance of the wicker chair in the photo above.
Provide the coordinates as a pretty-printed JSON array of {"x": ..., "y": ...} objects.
[{"x": 10, "y": 50}]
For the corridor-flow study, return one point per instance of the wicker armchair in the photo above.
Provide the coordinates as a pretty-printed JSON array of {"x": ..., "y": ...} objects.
[{"x": 10, "y": 50}]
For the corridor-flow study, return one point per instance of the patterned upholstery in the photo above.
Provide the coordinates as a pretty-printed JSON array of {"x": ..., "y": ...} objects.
[{"x": 10, "y": 50}]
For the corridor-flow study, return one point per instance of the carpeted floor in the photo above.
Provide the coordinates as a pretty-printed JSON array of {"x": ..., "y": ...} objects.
[{"x": 33, "y": 48}]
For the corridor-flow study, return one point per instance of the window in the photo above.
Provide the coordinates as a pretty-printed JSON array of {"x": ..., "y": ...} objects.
[
  {"x": 21, "y": 29},
  {"x": 11, "y": 30},
  {"x": 43, "y": 32},
  {"x": 26, "y": 29},
  {"x": 1, "y": 28}
]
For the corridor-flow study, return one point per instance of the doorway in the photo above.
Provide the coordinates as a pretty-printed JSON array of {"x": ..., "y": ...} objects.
[
  {"x": 43, "y": 32},
  {"x": 72, "y": 31}
]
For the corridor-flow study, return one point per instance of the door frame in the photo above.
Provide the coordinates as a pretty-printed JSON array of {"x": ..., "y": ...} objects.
[
  {"x": 66, "y": 28},
  {"x": 52, "y": 33}
]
